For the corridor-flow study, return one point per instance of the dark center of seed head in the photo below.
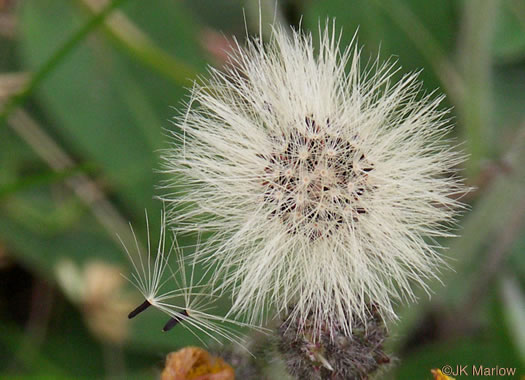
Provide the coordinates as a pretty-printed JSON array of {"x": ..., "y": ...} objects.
[{"x": 314, "y": 180}]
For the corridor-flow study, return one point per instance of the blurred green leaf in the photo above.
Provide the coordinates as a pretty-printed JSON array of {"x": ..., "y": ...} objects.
[
  {"x": 40, "y": 241},
  {"x": 381, "y": 29},
  {"x": 17, "y": 160},
  {"x": 10, "y": 338},
  {"x": 514, "y": 310},
  {"x": 517, "y": 259},
  {"x": 41, "y": 179},
  {"x": 465, "y": 352},
  {"x": 509, "y": 97},
  {"x": 483, "y": 343},
  {"x": 475, "y": 59},
  {"x": 107, "y": 108},
  {"x": 509, "y": 36},
  {"x": 110, "y": 110},
  {"x": 131, "y": 39},
  {"x": 492, "y": 213},
  {"x": 490, "y": 217},
  {"x": 228, "y": 18},
  {"x": 55, "y": 59},
  {"x": 69, "y": 352}
]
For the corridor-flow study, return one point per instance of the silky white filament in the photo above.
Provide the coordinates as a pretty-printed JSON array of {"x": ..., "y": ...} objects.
[
  {"x": 323, "y": 185},
  {"x": 180, "y": 294}
]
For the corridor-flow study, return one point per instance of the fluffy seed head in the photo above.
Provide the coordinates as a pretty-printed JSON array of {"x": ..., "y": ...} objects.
[{"x": 323, "y": 184}]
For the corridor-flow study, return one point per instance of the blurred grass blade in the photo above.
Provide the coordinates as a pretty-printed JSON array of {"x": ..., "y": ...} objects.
[
  {"x": 107, "y": 214},
  {"x": 429, "y": 47},
  {"x": 11, "y": 83},
  {"x": 514, "y": 302},
  {"x": 102, "y": 97},
  {"x": 43, "y": 179},
  {"x": 492, "y": 214},
  {"x": 509, "y": 35},
  {"x": 475, "y": 58},
  {"x": 56, "y": 58},
  {"x": 135, "y": 42},
  {"x": 500, "y": 206}
]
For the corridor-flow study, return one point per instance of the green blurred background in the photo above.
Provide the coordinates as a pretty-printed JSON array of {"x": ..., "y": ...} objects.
[{"x": 87, "y": 91}]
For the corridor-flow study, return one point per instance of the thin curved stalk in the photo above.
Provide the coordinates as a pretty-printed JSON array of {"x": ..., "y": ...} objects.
[
  {"x": 56, "y": 58},
  {"x": 137, "y": 44}
]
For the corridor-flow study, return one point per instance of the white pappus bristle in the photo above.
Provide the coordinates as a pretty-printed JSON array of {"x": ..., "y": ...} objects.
[{"x": 324, "y": 185}]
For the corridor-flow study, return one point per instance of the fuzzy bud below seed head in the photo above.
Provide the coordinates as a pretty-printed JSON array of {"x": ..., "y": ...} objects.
[{"x": 330, "y": 353}]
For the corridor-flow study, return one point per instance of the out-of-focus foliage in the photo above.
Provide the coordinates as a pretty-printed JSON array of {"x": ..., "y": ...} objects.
[{"x": 79, "y": 158}]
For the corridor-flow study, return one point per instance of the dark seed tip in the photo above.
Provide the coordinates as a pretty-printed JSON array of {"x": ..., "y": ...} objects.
[
  {"x": 143, "y": 306},
  {"x": 171, "y": 324},
  {"x": 174, "y": 321}
]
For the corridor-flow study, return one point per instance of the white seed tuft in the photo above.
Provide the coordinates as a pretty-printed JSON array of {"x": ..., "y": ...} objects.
[
  {"x": 180, "y": 294},
  {"x": 324, "y": 185}
]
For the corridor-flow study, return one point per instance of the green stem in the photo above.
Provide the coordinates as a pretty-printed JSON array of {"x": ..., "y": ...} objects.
[
  {"x": 474, "y": 53},
  {"x": 138, "y": 45}
]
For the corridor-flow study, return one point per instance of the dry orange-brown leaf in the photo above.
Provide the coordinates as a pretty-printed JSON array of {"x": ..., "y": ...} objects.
[{"x": 193, "y": 363}]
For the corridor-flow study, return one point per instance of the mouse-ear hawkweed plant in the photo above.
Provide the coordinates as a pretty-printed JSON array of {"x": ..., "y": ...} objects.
[{"x": 324, "y": 185}]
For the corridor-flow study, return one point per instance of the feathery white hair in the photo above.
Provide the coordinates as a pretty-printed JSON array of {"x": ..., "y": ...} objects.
[
  {"x": 323, "y": 185},
  {"x": 190, "y": 302}
]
